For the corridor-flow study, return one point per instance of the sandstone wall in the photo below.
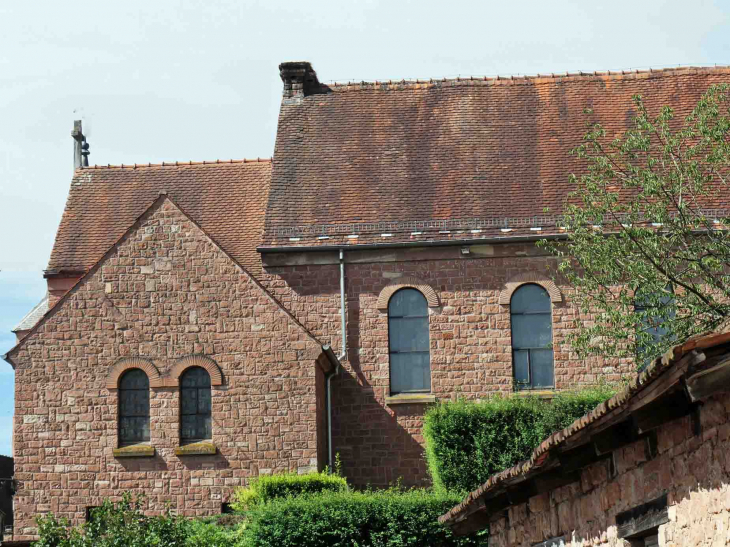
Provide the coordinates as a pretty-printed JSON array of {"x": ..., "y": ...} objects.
[
  {"x": 470, "y": 342},
  {"x": 165, "y": 292}
]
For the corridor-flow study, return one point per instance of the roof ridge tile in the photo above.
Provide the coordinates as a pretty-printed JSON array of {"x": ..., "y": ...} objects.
[
  {"x": 177, "y": 164},
  {"x": 524, "y": 78}
]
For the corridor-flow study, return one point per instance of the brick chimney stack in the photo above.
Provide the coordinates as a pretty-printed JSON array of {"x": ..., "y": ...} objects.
[
  {"x": 81, "y": 147},
  {"x": 299, "y": 79}
]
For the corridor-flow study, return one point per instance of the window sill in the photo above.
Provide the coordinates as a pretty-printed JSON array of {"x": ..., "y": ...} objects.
[
  {"x": 415, "y": 399},
  {"x": 204, "y": 448},
  {"x": 135, "y": 451},
  {"x": 539, "y": 393}
]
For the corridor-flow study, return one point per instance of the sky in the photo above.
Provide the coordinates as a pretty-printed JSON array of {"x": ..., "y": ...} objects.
[{"x": 169, "y": 80}]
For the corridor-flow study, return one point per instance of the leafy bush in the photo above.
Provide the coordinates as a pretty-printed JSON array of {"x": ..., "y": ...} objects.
[
  {"x": 389, "y": 518},
  {"x": 214, "y": 532},
  {"x": 467, "y": 442},
  {"x": 269, "y": 487},
  {"x": 114, "y": 524}
]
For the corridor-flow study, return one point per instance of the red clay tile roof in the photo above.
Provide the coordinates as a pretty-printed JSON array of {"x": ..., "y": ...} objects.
[
  {"x": 398, "y": 157},
  {"x": 227, "y": 199}
]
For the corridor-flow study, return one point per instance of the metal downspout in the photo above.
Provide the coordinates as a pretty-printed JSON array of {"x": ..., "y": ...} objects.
[{"x": 343, "y": 354}]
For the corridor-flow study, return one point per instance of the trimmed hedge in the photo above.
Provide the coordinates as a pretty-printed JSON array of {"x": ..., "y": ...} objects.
[
  {"x": 467, "y": 442},
  {"x": 389, "y": 518},
  {"x": 265, "y": 488}
]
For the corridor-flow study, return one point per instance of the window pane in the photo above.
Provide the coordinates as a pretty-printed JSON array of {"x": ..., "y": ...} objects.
[
  {"x": 204, "y": 402},
  {"x": 134, "y": 429},
  {"x": 407, "y": 302},
  {"x": 541, "y": 367},
  {"x": 195, "y": 405},
  {"x": 409, "y": 334},
  {"x": 188, "y": 401},
  {"x": 134, "y": 402},
  {"x": 134, "y": 407},
  {"x": 195, "y": 377},
  {"x": 134, "y": 379},
  {"x": 409, "y": 372},
  {"x": 530, "y": 298},
  {"x": 195, "y": 428},
  {"x": 522, "y": 372},
  {"x": 531, "y": 331},
  {"x": 188, "y": 427}
]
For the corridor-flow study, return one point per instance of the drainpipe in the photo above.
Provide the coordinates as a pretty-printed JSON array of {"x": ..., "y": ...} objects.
[
  {"x": 342, "y": 305},
  {"x": 343, "y": 354}
]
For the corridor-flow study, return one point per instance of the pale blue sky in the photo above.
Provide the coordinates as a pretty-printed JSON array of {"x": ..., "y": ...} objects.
[{"x": 198, "y": 80}]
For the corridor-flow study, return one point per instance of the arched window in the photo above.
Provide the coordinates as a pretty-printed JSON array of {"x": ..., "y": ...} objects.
[
  {"x": 134, "y": 408},
  {"x": 410, "y": 369},
  {"x": 532, "y": 335},
  {"x": 654, "y": 309},
  {"x": 195, "y": 406}
]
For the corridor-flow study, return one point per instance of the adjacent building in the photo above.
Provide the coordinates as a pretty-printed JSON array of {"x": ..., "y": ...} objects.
[{"x": 648, "y": 467}]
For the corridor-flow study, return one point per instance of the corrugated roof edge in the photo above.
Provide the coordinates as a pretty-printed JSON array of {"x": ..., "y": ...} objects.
[
  {"x": 621, "y": 399},
  {"x": 92, "y": 270},
  {"x": 522, "y": 80}
]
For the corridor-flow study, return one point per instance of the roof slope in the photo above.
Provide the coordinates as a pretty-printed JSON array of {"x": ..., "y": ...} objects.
[
  {"x": 33, "y": 316},
  {"x": 226, "y": 199},
  {"x": 394, "y": 157}
]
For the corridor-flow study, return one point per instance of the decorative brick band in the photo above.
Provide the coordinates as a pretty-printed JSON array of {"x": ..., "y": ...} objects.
[
  {"x": 128, "y": 363},
  {"x": 529, "y": 278},
  {"x": 184, "y": 363},
  {"x": 407, "y": 283}
]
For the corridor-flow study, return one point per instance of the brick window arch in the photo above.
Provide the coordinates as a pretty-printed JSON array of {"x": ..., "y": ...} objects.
[
  {"x": 394, "y": 286},
  {"x": 129, "y": 363},
  {"x": 202, "y": 361},
  {"x": 534, "y": 278}
]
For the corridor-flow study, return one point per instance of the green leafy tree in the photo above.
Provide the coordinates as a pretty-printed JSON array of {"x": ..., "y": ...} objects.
[{"x": 648, "y": 249}]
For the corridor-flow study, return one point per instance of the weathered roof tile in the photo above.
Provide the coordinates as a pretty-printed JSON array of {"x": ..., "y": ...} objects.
[{"x": 227, "y": 199}]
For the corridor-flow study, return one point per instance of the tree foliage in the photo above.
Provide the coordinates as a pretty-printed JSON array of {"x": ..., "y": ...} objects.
[{"x": 648, "y": 249}]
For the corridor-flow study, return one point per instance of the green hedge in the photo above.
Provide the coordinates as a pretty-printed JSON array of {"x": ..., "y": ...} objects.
[
  {"x": 265, "y": 488},
  {"x": 388, "y": 518},
  {"x": 114, "y": 525},
  {"x": 467, "y": 442}
]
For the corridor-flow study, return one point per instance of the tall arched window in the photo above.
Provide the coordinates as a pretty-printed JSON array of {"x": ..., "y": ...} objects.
[
  {"x": 654, "y": 310},
  {"x": 532, "y": 335},
  {"x": 195, "y": 406},
  {"x": 134, "y": 408},
  {"x": 410, "y": 369}
]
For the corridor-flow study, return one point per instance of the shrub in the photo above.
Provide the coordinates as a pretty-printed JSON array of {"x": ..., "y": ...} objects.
[
  {"x": 114, "y": 524},
  {"x": 467, "y": 442},
  {"x": 212, "y": 533},
  {"x": 388, "y": 518},
  {"x": 269, "y": 487}
]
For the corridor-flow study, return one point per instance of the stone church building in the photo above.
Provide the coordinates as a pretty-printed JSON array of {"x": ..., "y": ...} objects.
[{"x": 208, "y": 322}]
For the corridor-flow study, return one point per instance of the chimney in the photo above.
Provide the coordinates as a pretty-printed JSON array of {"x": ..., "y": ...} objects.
[
  {"x": 299, "y": 79},
  {"x": 81, "y": 147}
]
